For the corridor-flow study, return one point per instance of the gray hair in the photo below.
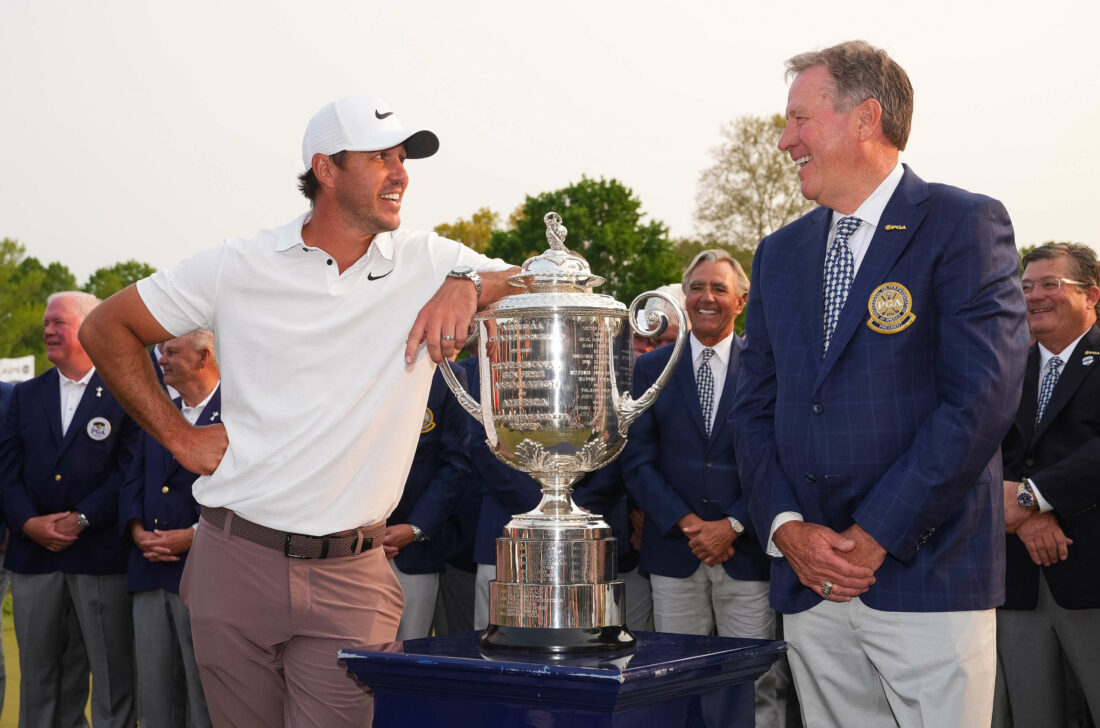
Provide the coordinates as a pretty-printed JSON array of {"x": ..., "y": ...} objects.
[
  {"x": 860, "y": 72},
  {"x": 83, "y": 301},
  {"x": 716, "y": 255}
]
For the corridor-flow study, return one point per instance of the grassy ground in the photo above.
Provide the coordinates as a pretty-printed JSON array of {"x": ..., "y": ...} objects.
[{"x": 10, "y": 717}]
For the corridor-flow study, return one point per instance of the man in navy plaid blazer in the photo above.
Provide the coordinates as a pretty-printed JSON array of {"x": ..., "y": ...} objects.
[{"x": 869, "y": 448}]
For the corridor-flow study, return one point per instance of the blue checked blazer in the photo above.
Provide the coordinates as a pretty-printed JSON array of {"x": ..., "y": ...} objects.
[
  {"x": 898, "y": 432},
  {"x": 44, "y": 472},
  {"x": 143, "y": 496},
  {"x": 672, "y": 469}
]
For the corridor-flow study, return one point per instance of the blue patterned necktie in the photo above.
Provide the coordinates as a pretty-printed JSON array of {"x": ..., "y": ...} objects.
[
  {"x": 840, "y": 269},
  {"x": 1054, "y": 370},
  {"x": 704, "y": 380}
]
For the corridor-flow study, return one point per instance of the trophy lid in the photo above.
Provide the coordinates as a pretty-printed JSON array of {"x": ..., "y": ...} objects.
[{"x": 559, "y": 269}]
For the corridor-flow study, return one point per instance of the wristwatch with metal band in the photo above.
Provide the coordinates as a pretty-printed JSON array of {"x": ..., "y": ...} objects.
[
  {"x": 1025, "y": 497},
  {"x": 465, "y": 271}
]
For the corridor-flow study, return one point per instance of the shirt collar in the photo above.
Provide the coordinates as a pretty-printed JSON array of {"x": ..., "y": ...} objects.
[
  {"x": 721, "y": 349},
  {"x": 201, "y": 405},
  {"x": 1045, "y": 354},
  {"x": 872, "y": 208},
  {"x": 83, "y": 381},
  {"x": 290, "y": 236}
]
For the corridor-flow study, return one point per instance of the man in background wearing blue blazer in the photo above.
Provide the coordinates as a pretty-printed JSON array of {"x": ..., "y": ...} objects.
[
  {"x": 64, "y": 451},
  {"x": 706, "y": 570},
  {"x": 437, "y": 481},
  {"x": 884, "y": 358},
  {"x": 158, "y": 515},
  {"x": 1051, "y": 615}
]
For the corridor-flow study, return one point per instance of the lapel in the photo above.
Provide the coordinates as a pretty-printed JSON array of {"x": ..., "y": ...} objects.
[
  {"x": 51, "y": 402},
  {"x": 684, "y": 377},
  {"x": 1029, "y": 400},
  {"x": 210, "y": 415},
  {"x": 89, "y": 402},
  {"x": 1073, "y": 374},
  {"x": 729, "y": 389},
  {"x": 885, "y": 248},
  {"x": 809, "y": 262}
]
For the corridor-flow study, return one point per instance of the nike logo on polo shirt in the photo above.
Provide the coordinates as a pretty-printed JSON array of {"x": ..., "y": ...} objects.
[
  {"x": 378, "y": 115},
  {"x": 372, "y": 277}
]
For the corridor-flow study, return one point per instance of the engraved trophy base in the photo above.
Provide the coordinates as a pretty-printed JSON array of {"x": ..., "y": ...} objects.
[{"x": 557, "y": 588}]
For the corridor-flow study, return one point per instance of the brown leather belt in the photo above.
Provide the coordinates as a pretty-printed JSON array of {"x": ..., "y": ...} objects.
[{"x": 299, "y": 545}]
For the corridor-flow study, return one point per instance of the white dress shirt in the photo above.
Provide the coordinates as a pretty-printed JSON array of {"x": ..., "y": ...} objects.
[
  {"x": 719, "y": 365},
  {"x": 72, "y": 390},
  {"x": 1045, "y": 355}
]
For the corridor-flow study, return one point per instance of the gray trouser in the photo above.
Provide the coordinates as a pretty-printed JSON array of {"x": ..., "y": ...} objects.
[
  {"x": 169, "y": 690},
  {"x": 42, "y": 606}
]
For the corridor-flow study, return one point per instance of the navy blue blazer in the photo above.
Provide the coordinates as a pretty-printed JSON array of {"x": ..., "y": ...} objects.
[
  {"x": 1062, "y": 456},
  {"x": 6, "y": 388},
  {"x": 672, "y": 468},
  {"x": 899, "y": 432},
  {"x": 438, "y": 480},
  {"x": 43, "y": 472},
  {"x": 157, "y": 492}
]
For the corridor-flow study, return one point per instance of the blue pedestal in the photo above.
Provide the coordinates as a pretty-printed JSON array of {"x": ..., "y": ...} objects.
[{"x": 666, "y": 681}]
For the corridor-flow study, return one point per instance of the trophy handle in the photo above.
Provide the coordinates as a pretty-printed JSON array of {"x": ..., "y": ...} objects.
[
  {"x": 468, "y": 403},
  {"x": 629, "y": 409}
]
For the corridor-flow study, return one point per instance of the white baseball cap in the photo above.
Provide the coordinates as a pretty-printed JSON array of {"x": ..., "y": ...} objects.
[{"x": 362, "y": 124}]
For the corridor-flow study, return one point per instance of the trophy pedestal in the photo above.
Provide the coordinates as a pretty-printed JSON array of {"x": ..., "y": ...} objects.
[
  {"x": 557, "y": 588},
  {"x": 668, "y": 680}
]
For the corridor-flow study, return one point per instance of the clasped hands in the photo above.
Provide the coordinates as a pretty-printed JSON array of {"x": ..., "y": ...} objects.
[
  {"x": 710, "y": 541},
  {"x": 53, "y": 531},
  {"x": 1042, "y": 535},
  {"x": 158, "y": 545},
  {"x": 819, "y": 555}
]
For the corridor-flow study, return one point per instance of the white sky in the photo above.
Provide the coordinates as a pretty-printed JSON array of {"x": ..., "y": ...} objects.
[{"x": 151, "y": 130}]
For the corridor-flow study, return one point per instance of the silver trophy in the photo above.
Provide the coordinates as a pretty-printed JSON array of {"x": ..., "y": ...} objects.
[{"x": 556, "y": 366}]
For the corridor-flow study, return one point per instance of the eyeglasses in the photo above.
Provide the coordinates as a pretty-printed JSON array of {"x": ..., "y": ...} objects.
[{"x": 1049, "y": 284}]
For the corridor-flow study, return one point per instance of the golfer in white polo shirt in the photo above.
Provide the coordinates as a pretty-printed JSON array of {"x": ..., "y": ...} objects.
[{"x": 326, "y": 329}]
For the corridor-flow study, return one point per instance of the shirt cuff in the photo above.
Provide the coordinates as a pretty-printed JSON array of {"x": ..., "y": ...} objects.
[
  {"x": 1044, "y": 504},
  {"x": 784, "y": 517}
]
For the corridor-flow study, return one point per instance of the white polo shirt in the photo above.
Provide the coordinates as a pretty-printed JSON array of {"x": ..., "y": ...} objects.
[{"x": 322, "y": 414}]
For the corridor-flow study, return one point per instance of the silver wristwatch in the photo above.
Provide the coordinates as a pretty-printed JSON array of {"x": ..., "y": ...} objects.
[
  {"x": 81, "y": 520},
  {"x": 737, "y": 526},
  {"x": 418, "y": 535},
  {"x": 465, "y": 271}
]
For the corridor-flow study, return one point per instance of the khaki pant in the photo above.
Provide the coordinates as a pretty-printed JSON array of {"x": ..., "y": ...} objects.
[{"x": 267, "y": 628}]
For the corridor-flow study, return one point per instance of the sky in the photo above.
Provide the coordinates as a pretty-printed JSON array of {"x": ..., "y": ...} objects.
[{"x": 151, "y": 130}]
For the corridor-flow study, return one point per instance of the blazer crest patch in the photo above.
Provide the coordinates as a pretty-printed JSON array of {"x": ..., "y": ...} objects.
[
  {"x": 429, "y": 421},
  {"x": 99, "y": 428},
  {"x": 891, "y": 309}
]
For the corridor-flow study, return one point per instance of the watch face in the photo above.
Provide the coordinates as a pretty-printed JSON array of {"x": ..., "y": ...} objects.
[{"x": 462, "y": 270}]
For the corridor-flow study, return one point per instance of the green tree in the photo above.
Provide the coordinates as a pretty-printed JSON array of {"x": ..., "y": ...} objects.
[
  {"x": 477, "y": 232},
  {"x": 25, "y": 284},
  {"x": 106, "y": 282},
  {"x": 751, "y": 190},
  {"x": 604, "y": 220}
]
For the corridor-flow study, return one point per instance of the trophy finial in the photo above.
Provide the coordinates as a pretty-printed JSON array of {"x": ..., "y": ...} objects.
[{"x": 555, "y": 231}]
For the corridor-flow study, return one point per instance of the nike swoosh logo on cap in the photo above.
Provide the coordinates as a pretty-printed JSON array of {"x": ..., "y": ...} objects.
[
  {"x": 378, "y": 115},
  {"x": 372, "y": 277}
]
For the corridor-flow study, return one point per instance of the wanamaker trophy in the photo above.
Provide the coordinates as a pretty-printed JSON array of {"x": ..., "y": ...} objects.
[{"x": 556, "y": 369}]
